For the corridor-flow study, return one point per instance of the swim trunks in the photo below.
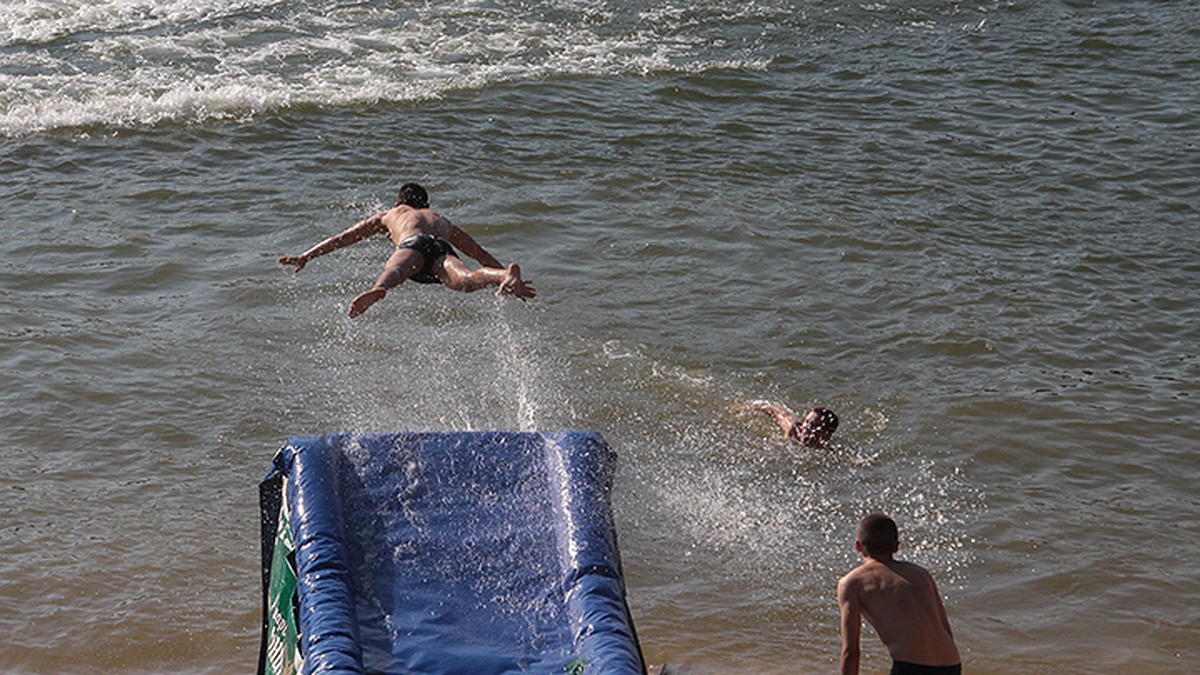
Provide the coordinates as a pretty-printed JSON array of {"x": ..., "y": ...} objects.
[
  {"x": 904, "y": 668},
  {"x": 431, "y": 249}
]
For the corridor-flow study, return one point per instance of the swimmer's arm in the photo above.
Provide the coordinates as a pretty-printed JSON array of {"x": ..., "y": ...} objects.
[
  {"x": 851, "y": 627},
  {"x": 352, "y": 235},
  {"x": 785, "y": 418},
  {"x": 464, "y": 242}
]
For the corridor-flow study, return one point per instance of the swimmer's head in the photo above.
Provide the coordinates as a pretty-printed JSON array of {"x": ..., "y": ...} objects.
[
  {"x": 816, "y": 428},
  {"x": 877, "y": 536},
  {"x": 413, "y": 195}
]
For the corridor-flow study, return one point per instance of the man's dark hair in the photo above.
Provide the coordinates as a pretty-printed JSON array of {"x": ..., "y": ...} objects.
[
  {"x": 826, "y": 420},
  {"x": 878, "y": 535},
  {"x": 413, "y": 195}
]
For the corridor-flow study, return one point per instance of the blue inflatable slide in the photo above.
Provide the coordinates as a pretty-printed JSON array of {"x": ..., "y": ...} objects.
[{"x": 471, "y": 553}]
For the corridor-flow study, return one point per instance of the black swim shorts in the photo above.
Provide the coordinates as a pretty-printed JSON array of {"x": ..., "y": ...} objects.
[
  {"x": 903, "y": 668},
  {"x": 431, "y": 249}
]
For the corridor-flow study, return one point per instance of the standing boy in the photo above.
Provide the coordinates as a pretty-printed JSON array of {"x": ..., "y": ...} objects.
[{"x": 902, "y": 603}]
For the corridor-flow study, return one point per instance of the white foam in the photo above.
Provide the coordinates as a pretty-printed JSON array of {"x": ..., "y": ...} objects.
[
  {"x": 126, "y": 63},
  {"x": 43, "y": 21}
]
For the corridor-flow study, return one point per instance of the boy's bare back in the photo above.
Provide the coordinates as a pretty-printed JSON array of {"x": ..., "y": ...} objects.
[{"x": 901, "y": 601}]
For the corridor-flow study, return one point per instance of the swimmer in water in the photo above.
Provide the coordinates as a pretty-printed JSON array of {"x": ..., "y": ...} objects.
[
  {"x": 425, "y": 252},
  {"x": 813, "y": 431}
]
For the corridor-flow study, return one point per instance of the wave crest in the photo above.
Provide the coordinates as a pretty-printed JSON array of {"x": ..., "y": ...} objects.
[{"x": 121, "y": 63}]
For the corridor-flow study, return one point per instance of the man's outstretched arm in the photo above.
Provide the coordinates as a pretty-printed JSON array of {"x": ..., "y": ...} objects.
[{"x": 352, "y": 235}]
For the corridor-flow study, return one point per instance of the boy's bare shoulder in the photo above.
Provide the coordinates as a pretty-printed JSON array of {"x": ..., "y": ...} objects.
[
  {"x": 853, "y": 579},
  {"x": 912, "y": 571}
]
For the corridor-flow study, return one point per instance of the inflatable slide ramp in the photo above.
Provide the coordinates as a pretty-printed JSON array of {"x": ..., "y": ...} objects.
[{"x": 469, "y": 553}]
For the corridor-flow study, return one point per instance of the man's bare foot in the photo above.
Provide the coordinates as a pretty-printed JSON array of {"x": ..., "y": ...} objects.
[
  {"x": 514, "y": 285},
  {"x": 365, "y": 300}
]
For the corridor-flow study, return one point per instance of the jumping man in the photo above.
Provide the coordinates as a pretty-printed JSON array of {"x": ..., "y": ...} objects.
[{"x": 425, "y": 242}]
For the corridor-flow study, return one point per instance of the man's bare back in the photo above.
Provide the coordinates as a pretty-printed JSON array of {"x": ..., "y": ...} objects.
[
  {"x": 404, "y": 221},
  {"x": 901, "y": 601}
]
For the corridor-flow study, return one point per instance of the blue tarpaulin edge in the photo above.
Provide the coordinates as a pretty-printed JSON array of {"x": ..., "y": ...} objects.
[{"x": 578, "y": 466}]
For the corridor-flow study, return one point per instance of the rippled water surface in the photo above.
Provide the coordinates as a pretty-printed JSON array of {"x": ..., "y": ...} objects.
[{"x": 968, "y": 227}]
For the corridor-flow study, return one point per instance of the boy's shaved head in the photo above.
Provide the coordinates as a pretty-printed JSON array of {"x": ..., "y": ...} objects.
[{"x": 878, "y": 535}]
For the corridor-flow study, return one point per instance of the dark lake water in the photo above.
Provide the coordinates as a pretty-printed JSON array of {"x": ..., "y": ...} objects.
[{"x": 968, "y": 227}]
